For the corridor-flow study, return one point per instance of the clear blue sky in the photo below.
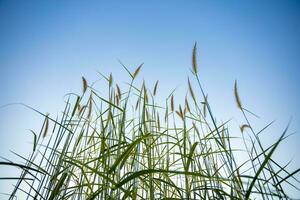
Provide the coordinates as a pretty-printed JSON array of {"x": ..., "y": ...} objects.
[{"x": 46, "y": 46}]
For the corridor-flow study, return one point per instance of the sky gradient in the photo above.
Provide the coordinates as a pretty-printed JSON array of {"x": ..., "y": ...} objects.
[{"x": 46, "y": 46}]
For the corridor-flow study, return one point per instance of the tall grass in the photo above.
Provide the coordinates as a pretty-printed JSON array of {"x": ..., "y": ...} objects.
[{"x": 122, "y": 144}]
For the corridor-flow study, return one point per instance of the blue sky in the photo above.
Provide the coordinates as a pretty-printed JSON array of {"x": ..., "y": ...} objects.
[{"x": 46, "y": 46}]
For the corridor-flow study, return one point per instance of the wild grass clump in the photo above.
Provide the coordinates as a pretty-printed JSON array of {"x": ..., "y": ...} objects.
[{"x": 122, "y": 144}]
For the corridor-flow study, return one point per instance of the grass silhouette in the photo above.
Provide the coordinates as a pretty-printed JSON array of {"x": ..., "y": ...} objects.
[{"x": 122, "y": 144}]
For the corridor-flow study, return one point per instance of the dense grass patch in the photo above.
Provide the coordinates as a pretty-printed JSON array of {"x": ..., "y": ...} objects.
[{"x": 122, "y": 144}]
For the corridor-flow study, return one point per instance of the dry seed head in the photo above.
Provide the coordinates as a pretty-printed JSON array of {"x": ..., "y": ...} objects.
[
  {"x": 223, "y": 136},
  {"x": 194, "y": 59},
  {"x": 243, "y": 127},
  {"x": 55, "y": 124},
  {"x": 145, "y": 93},
  {"x": 179, "y": 114},
  {"x": 46, "y": 125},
  {"x": 110, "y": 80},
  {"x": 136, "y": 72},
  {"x": 119, "y": 91},
  {"x": 117, "y": 99},
  {"x": 155, "y": 88},
  {"x": 76, "y": 105},
  {"x": 191, "y": 90},
  {"x": 166, "y": 114},
  {"x": 90, "y": 106},
  {"x": 84, "y": 84},
  {"x": 205, "y": 106},
  {"x": 237, "y": 97},
  {"x": 146, "y": 113},
  {"x": 187, "y": 106},
  {"x": 180, "y": 110},
  {"x": 137, "y": 104},
  {"x": 158, "y": 122}
]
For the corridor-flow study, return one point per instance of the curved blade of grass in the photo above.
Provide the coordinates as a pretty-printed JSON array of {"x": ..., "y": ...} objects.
[
  {"x": 266, "y": 160},
  {"x": 56, "y": 190},
  {"x": 126, "y": 153}
]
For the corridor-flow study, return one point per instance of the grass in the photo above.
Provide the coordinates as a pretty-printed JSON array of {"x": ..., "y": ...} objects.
[{"x": 124, "y": 145}]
